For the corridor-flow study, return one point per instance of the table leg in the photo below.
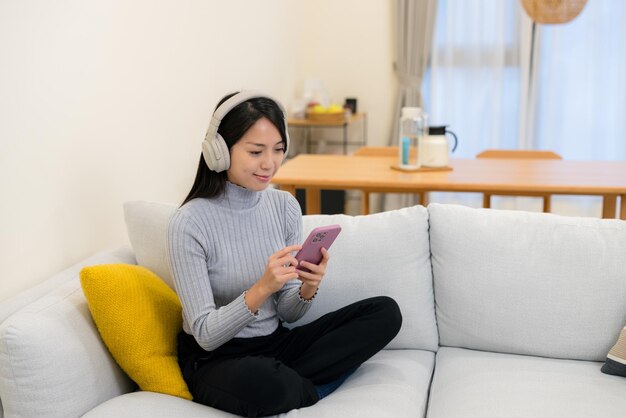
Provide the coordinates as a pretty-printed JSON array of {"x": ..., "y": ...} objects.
[
  {"x": 547, "y": 204},
  {"x": 365, "y": 203},
  {"x": 609, "y": 204},
  {"x": 423, "y": 196},
  {"x": 622, "y": 211},
  {"x": 313, "y": 201},
  {"x": 486, "y": 200}
]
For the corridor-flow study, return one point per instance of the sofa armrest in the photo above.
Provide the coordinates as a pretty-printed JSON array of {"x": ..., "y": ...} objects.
[
  {"x": 8, "y": 307},
  {"x": 52, "y": 359}
]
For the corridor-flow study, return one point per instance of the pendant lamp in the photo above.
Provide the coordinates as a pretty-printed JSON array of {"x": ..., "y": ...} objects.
[{"x": 553, "y": 11}]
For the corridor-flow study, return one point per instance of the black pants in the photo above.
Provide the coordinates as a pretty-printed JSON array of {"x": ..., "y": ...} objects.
[{"x": 278, "y": 372}]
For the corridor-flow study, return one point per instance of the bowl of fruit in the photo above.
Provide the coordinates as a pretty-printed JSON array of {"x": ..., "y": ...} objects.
[{"x": 326, "y": 114}]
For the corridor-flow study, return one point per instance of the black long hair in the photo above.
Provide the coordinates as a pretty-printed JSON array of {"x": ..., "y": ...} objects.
[{"x": 233, "y": 126}]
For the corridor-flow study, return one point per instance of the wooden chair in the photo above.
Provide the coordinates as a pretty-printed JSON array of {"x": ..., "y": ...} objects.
[
  {"x": 530, "y": 154},
  {"x": 377, "y": 151},
  {"x": 381, "y": 152}
]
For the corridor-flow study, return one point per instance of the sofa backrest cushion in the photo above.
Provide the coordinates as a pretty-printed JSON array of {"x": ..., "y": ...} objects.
[
  {"x": 381, "y": 254},
  {"x": 528, "y": 283},
  {"x": 52, "y": 359},
  {"x": 146, "y": 224}
]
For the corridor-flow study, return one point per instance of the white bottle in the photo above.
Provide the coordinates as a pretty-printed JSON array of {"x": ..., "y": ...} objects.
[{"x": 412, "y": 129}]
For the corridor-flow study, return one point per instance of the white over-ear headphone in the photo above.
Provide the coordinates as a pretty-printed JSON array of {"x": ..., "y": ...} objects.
[{"x": 214, "y": 148}]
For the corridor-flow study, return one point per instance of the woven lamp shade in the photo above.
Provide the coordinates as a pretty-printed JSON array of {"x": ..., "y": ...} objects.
[{"x": 553, "y": 11}]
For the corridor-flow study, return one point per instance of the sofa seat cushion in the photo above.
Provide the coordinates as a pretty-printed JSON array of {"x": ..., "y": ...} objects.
[
  {"x": 144, "y": 404},
  {"x": 481, "y": 384},
  {"x": 528, "y": 283},
  {"x": 393, "y": 383}
]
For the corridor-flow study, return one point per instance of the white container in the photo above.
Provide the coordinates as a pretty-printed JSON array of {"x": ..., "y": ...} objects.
[
  {"x": 413, "y": 127},
  {"x": 435, "y": 147},
  {"x": 435, "y": 151}
]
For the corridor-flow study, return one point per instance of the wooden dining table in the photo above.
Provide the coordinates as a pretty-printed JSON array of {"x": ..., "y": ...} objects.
[{"x": 314, "y": 172}]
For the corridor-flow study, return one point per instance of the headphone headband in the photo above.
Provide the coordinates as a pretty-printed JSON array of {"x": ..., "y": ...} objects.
[{"x": 214, "y": 148}]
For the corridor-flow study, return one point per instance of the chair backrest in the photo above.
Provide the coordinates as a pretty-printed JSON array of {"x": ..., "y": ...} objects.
[
  {"x": 377, "y": 151},
  {"x": 505, "y": 153}
]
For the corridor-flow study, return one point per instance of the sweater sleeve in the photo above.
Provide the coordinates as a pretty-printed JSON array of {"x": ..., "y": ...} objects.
[
  {"x": 290, "y": 306},
  {"x": 188, "y": 251}
]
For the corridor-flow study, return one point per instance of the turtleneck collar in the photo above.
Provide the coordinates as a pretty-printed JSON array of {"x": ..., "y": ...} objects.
[{"x": 239, "y": 197}]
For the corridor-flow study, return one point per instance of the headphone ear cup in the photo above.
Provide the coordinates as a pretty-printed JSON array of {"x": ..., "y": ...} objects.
[
  {"x": 286, "y": 137},
  {"x": 222, "y": 154},
  {"x": 215, "y": 153}
]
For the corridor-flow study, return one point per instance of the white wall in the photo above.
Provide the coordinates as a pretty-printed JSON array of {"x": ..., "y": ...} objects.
[
  {"x": 349, "y": 45},
  {"x": 105, "y": 101}
]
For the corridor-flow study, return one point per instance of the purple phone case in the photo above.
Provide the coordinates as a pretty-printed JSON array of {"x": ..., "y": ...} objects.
[{"x": 322, "y": 236}]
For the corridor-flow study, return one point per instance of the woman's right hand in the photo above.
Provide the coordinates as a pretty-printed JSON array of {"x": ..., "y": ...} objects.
[{"x": 281, "y": 267}]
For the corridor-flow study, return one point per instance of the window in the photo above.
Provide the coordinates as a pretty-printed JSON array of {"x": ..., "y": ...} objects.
[
  {"x": 480, "y": 83},
  {"x": 473, "y": 83}
]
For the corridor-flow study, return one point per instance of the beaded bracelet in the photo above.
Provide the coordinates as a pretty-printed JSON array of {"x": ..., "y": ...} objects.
[{"x": 307, "y": 300}]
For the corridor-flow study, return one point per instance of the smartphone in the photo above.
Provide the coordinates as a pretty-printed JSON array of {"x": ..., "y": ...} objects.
[{"x": 322, "y": 236}]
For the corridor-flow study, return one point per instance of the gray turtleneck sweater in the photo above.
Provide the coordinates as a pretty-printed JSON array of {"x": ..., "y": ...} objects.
[{"x": 218, "y": 248}]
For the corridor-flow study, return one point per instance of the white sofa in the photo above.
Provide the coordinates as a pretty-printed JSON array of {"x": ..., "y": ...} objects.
[{"x": 506, "y": 314}]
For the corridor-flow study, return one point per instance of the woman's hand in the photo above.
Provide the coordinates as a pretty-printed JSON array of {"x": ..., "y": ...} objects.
[
  {"x": 311, "y": 280},
  {"x": 281, "y": 267}
]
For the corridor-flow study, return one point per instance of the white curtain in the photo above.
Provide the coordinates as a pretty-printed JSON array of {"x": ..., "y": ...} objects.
[
  {"x": 581, "y": 84},
  {"x": 476, "y": 79},
  {"x": 414, "y": 24},
  {"x": 579, "y": 95}
]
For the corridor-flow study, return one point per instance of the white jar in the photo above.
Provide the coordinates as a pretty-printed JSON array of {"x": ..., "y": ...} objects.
[
  {"x": 435, "y": 151},
  {"x": 435, "y": 148}
]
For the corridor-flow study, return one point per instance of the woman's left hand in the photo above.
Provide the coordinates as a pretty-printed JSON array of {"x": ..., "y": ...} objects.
[{"x": 311, "y": 280}]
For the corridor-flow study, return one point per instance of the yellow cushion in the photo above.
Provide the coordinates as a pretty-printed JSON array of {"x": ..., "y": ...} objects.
[{"x": 138, "y": 317}]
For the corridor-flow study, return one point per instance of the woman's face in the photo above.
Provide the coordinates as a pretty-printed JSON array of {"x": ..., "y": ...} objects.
[{"x": 256, "y": 157}]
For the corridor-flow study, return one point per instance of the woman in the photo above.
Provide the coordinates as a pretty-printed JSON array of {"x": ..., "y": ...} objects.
[{"x": 231, "y": 251}]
